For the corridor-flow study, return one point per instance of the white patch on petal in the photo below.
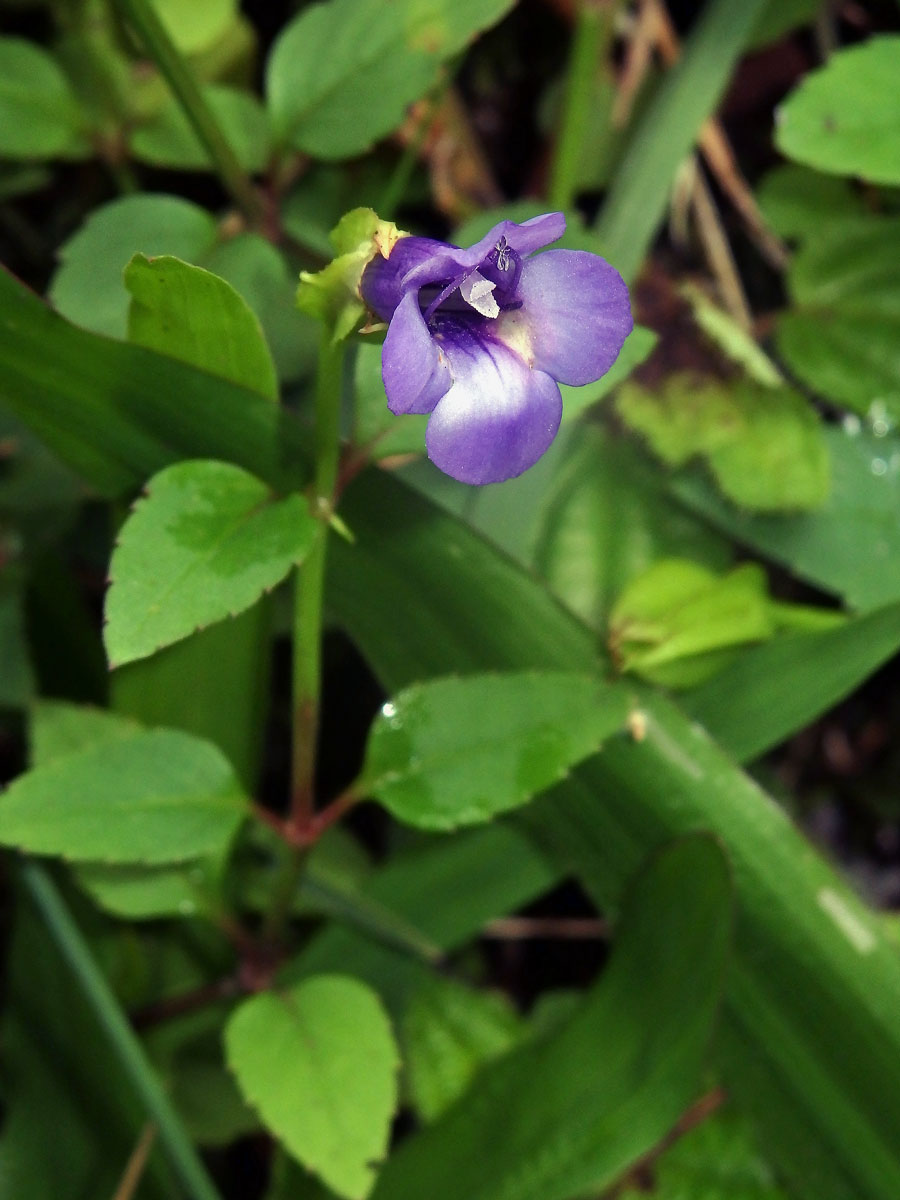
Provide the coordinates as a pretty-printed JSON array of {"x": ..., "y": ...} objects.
[{"x": 479, "y": 293}]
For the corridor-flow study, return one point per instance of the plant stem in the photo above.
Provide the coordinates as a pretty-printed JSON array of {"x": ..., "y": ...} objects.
[
  {"x": 593, "y": 26},
  {"x": 73, "y": 948},
  {"x": 180, "y": 78},
  {"x": 310, "y": 584}
]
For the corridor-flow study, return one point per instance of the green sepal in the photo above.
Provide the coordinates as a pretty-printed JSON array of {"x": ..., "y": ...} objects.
[{"x": 333, "y": 295}]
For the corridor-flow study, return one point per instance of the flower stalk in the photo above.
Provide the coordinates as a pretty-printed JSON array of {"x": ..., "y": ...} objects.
[{"x": 176, "y": 71}]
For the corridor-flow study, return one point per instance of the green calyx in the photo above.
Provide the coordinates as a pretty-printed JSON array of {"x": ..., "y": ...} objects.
[{"x": 333, "y": 295}]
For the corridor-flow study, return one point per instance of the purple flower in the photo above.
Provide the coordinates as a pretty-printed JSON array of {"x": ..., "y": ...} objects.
[{"x": 481, "y": 338}]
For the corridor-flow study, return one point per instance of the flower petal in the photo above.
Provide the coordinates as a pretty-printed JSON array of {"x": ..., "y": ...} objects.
[
  {"x": 524, "y": 239},
  {"x": 577, "y": 312},
  {"x": 382, "y": 279},
  {"x": 499, "y": 416},
  {"x": 414, "y": 369}
]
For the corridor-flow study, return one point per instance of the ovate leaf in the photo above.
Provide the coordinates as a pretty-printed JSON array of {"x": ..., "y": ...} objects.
[
  {"x": 453, "y": 752},
  {"x": 342, "y": 73},
  {"x": 194, "y": 315},
  {"x": 318, "y": 1062},
  {"x": 158, "y": 796},
  {"x": 87, "y": 287},
  {"x": 168, "y": 139},
  {"x": 39, "y": 113},
  {"x": 845, "y": 117},
  {"x": 566, "y": 1114},
  {"x": 205, "y": 543}
]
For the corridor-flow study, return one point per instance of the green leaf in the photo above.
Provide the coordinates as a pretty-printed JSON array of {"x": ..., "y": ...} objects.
[
  {"x": 158, "y": 796},
  {"x": 851, "y": 546},
  {"x": 716, "y": 1160},
  {"x": 318, "y": 1062},
  {"x": 763, "y": 445},
  {"x": 88, "y": 288},
  {"x": 39, "y": 113},
  {"x": 845, "y": 117},
  {"x": 678, "y": 622},
  {"x": 260, "y": 273},
  {"x": 606, "y": 520},
  {"x": 59, "y": 728},
  {"x": 204, "y": 543},
  {"x": 778, "y": 688},
  {"x": 130, "y": 892},
  {"x": 194, "y": 27},
  {"x": 194, "y": 315},
  {"x": 565, "y": 1115},
  {"x": 842, "y": 333},
  {"x": 148, "y": 893},
  {"x": 118, "y": 413},
  {"x": 168, "y": 139},
  {"x": 797, "y": 202},
  {"x": 449, "y": 1033},
  {"x": 214, "y": 684},
  {"x": 456, "y": 752},
  {"x": 342, "y": 74}
]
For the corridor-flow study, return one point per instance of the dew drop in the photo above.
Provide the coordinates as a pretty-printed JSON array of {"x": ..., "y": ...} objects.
[
  {"x": 851, "y": 424},
  {"x": 879, "y": 466},
  {"x": 388, "y": 710}
]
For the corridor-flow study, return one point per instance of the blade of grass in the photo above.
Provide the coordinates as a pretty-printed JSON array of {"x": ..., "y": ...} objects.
[
  {"x": 667, "y": 130},
  {"x": 70, "y": 943}
]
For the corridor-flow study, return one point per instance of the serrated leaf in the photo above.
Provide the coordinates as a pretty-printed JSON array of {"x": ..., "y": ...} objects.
[
  {"x": 205, "y": 543},
  {"x": 449, "y": 1033},
  {"x": 168, "y": 139},
  {"x": 564, "y": 1115},
  {"x": 191, "y": 314},
  {"x": 342, "y": 73},
  {"x": 763, "y": 445},
  {"x": 158, "y": 796},
  {"x": 842, "y": 332},
  {"x": 453, "y": 752},
  {"x": 318, "y": 1062},
  {"x": 39, "y": 113},
  {"x": 845, "y": 117}
]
